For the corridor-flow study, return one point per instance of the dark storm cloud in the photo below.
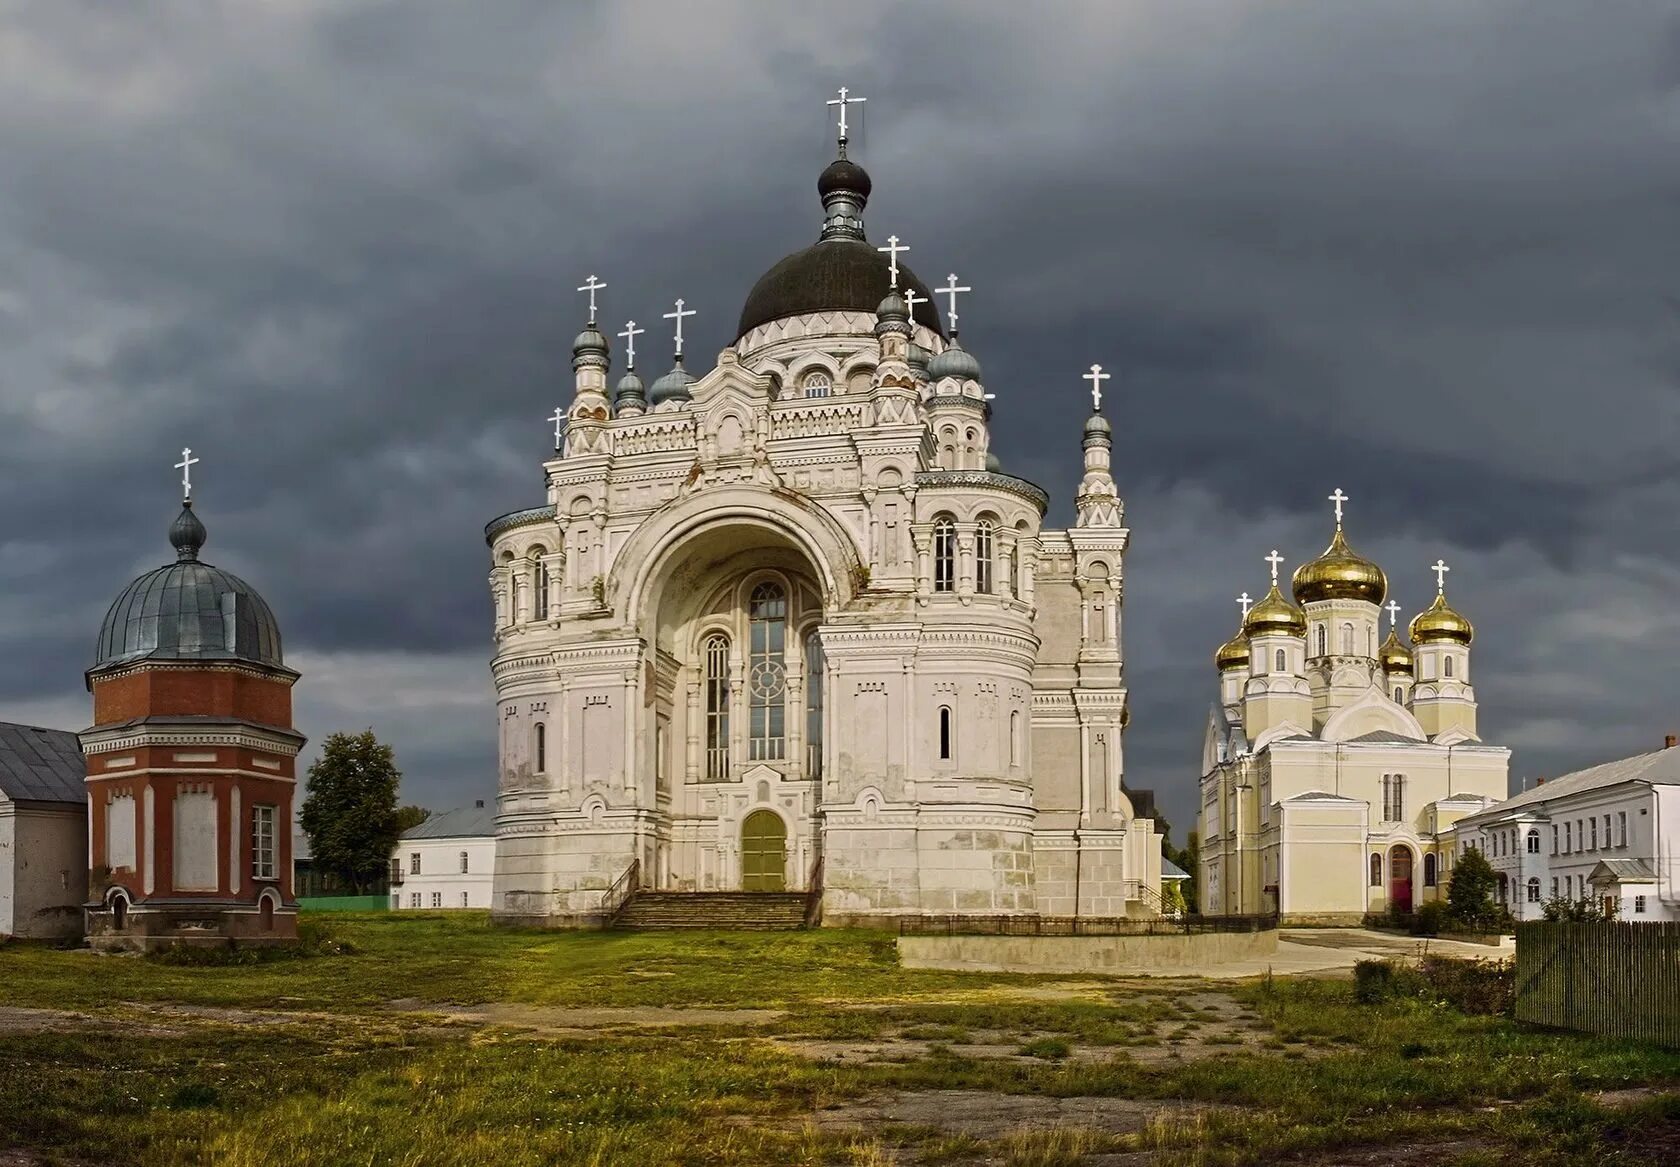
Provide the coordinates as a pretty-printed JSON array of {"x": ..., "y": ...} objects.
[{"x": 1423, "y": 252}]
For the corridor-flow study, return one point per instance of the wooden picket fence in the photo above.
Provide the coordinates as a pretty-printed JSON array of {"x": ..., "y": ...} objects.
[{"x": 1615, "y": 979}]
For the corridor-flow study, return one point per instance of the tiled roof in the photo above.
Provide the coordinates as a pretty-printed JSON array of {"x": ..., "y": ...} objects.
[
  {"x": 461, "y": 823},
  {"x": 41, "y": 765},
  {"x": 1660, "y": 766},
  {"x": 1630, "y": 870}
]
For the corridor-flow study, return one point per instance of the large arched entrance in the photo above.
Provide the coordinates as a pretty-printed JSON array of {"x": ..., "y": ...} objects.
[
  {"x": 1400, "y": 878},
  {"x": 763, "y": 852}
]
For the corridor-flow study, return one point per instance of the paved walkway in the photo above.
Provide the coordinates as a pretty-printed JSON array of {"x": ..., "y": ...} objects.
[{"x": 1322, "y": 950}]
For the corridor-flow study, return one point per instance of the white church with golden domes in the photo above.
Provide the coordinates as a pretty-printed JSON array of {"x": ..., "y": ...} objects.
[
  {"x": 787, "y": 628},
  {"x": 1335, "y": 764}
]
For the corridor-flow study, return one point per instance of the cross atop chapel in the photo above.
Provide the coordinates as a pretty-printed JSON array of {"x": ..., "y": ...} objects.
[
  {"x": 592, "y": 285},
  {"x": 1247, "y": 602},
  {"x": 1338, "y": 498},
  {"x": 951, "y": 289},
  {"x": 1274, "y": 559},
  {"x": 1096, "y": 377},
  {"x": 678, "y": 317},
  {"x": 630, "y": 333},
  {"x": 1393, "y": 610},
  {"x": 559, "y": 420},
  {"x": 843, "y": 101},
  {"x": 185, "y": 466},
  {"x": 1440, "y": 569},
  {"x": 893, "y": 248}
]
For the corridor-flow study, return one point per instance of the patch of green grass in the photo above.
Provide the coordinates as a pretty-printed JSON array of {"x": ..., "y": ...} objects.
[{"x": 1052, "y": 1049}]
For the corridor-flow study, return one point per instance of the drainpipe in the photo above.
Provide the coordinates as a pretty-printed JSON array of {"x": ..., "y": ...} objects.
[{"x": 1078, "y": 855}]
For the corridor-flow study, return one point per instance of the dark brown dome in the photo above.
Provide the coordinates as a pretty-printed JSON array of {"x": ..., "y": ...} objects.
[{"x": 836, "y": 274}]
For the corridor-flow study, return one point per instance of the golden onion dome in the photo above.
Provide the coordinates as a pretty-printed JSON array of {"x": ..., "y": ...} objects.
[
  {"x": 1395, "y": 657},
  {"x": 1274, "y": 615},
  {"x": 1233, "y": 654},
  {"x": 1439, "y": 622},
  {"x": 1340, "y": 574}
]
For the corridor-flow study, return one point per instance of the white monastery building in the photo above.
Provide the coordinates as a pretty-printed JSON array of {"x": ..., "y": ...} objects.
[
  {"x": 1333, "y": 764},
  {"x": 43, "y": 833},
  {"x": 1609, "y": 833},
  {"x": 446, "y": 862},
  {"x": 786, "y": 625}
]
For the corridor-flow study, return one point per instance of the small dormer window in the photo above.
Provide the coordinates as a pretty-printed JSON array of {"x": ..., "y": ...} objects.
[{"x": 818, "y": 385}]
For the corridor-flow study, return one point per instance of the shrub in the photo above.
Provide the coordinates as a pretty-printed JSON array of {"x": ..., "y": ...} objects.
[
  {"x": 1485, "y": 987},
  {"x": 1376, "y": 981},
  {"x": 1470, "y": 903},
  {"x": 1430, "y": 919}
]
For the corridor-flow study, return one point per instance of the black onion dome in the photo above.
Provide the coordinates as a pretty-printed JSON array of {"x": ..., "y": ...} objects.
[
  {"x": 842, "y": 174},
  {"x": 189, "y": 611},
  {"x": 834, "y": 275}
]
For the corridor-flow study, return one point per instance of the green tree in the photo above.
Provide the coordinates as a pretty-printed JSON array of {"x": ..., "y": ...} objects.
[
  {"x": 1470, "y": 893},
  {"x": 350, "y": 813},
  {"x": 1188, "y": 858},
  {"x": 411, "y": 816}
]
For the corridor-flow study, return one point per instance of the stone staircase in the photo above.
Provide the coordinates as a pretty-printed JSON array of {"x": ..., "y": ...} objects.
[{"x": 752, "y": 911}]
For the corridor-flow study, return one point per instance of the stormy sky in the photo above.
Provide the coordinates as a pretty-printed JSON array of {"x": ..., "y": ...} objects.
[{"x": 1424, "y": 252}]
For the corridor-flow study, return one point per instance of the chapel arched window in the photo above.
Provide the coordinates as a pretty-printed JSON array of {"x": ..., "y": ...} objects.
[
  {"x": 539, "y": 749},
  {"x": 1431, "y": 874},
  {"x": 1376, "y": 869},
  {"x": 767, "y": 672},
  {"x": 717, "y": 707},
  {"x": 984, "y": 553},
  {"x": 945, "y": 732},
  {"x": 1014, "y": 737},
  {"x": 1323, "y": 641},
  {"x": 944, "y": 555},
  {"x": 818, "y": 385},
  {"x": 813, "y": 704},
  {"x": 1282, "y": 662},
  {"x": 1447, "y": 667},
  {"x": 539, "y": 586},
  {"x": 1347, "y": 639}
]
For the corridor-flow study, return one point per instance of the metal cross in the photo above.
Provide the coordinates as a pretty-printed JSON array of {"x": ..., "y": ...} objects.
[
  {"x": 592, "y": 287},
  {"x": 951, "y": 290},
  {"x": 910, "y": 302},
  {"x": 630, "y": 333},
  {"x": 678, "y": 317},
  {"x": 1274, "y": 559},
  {"x": 1096, "y": 377},
  {"x": 1338, "y": 498},
  {"x": 559, "y": 420},
  {"x": 843, "y": 101},
  {"x": 185, "y": 466},
  {"x": 1393, "y": 610},
  {"x": 1247, "y": 602},
  {"x": 892, "y": 249},
  {"x": 1440, "y": 569}
]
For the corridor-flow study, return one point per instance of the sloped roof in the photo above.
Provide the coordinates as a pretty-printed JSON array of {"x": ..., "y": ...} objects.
[
  {"x": 41, "y": 765},
  {"x": 1660, "y": 766},
  {"x": 1171, "y": 870},
  {"x": 461, "y": 823},
  {"x": 1385, "y": 735},
  {"x": 1623, "y": 870}
]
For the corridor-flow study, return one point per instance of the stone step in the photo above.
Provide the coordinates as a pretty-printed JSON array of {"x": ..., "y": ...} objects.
[{"x": 745, "y": 911}]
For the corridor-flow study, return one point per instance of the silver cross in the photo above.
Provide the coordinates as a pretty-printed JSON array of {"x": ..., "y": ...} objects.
[
  {"x": 630, "y": 333},
  {"x": 1247, "y": 602},
  {"x": 1096, "y": 377},
  {"x": 951, "y": 290},
  {"x": 559, "y": 420},
  {"x": 592, "y": 287},
  {"x": 185, "y": 466},
  {"x": 1440, "y": 569},
  {"x": 1338, "y": 498},
  {"x": 1274, "y": 559},
  {"x": 1393, "y": 610},
  {"x": 893, "y": 249},
  {"x": 678, "y": 317},
  {"x": 843, "y": 101}
]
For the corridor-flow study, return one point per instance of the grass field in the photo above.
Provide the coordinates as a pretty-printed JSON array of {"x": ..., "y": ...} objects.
[{"x": 445, "y": 1041}]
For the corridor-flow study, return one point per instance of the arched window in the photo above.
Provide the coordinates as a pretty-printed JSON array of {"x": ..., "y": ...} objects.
[
  {"x": 944, "y": 733},
  {"x": 717, "y": 707},
  {"x": 944, "y": 555},
  {"x": 813, "y": 704},
  {"x": 818, "y": 385},
  {"x": 1014, "y": 737},
  {"x": 539, "y": 748},
  {"x": 1534, "y": 890},
  {"x": 1282, "y": 662},
  {"x": 984, "y": 550},
  {"x": 1399, "y": 695},
  {"x": 1323, "y": 641},
  {"x": 1534, "y": 841},
  {"x": 1430, "y": 875},
  {"x": 767, "y": 672},
  {"x": 517, "y": 589},
  {"x": 1347, "y": 639},
  {"x": 1446, "y": 666},
  {"x": 539, "y": 585},
  {"x": 1376, "y": 869}
]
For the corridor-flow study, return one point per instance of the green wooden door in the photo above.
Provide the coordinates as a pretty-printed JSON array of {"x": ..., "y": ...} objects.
[{"x": 763, "y": 852}]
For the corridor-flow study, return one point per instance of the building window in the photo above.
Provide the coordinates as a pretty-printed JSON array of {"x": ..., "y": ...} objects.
[
  {"x": 1376, "y": 869},
  {"x": 944, "y": 733},
  {"x": 262, "y": 842},
  {"x": 984, "y": 545},
  {"x": 1446, "y": 666},
  {"x": 944, "y": 555},
  {"x": 1394, "y": 809},
  {"x": 1639, "y": 905},
  {"x": 539, "y": 584},
  {"x": 1398, "y": 693},
  {"x": 1594, "y": 825},
  {"x": 814, "y": 664},
  {"x": 1323, "y": 641},
  {"x": 1621, "y": 828},
  {"x": 1568, "y": 839},
  {"x": 1554, "y": 887},
  {"x": 1430, "y": 876},
  {"x": 717, "y": 708},
  {"x": 1534, "y": 890},
  {"x": 818, "y": 385},
  {"x": 414, "y": 865},
  {"x": 1282, "y": 662},
  {"x": 437, "y": 899},
  {"x": 463, "y": 863},
  {"x": 1014, "y": 737},
  {"x": 1554, "y": 841},
  {"x": 1534, "y": 841},
  {"x": 767, "y": 672},
  {"x": 539, "y": 748},
  {"x": 414, "y": 900},
  {"x": 1347, "y": 639},
  {"x": 1606, "y": 832}
]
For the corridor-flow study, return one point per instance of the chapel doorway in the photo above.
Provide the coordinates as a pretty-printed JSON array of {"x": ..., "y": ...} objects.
[
  {"x": 1400, "y": 878},
  {"x": 763, "y": 852}
]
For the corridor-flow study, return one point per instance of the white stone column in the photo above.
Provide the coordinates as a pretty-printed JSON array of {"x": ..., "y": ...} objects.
[
  {"x": 556, "y": 567},
  {"x": 696, "y": 726},
  {"x": 965, "y": 560},
  {"x": 1004, "y": 586}
]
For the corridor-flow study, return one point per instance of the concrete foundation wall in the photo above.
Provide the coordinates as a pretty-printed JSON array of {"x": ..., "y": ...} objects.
[{"x": 1083, "y": 954}]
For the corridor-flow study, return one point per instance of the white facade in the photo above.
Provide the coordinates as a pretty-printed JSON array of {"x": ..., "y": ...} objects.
[
  {"x": 1609, "y": 834},
  {"x": 791, "y": 613},
  {"x": 1333, "y": 766},
  {"x": 43, "y": 833},
  {"x": 447, "y": 862}
]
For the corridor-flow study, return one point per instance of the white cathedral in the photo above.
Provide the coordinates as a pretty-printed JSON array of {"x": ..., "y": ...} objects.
[
  {"x": 787, "y": 626},
  {"x": 1335, "y": 768}
]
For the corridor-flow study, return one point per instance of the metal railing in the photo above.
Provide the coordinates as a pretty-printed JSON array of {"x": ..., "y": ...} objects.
[
  {"x": 1080, "y": 925},
  {"x": 625, "y": 886}
]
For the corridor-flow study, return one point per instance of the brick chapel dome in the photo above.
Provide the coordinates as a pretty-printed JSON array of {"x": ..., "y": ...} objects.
[{"x": 189, "y": 611}]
